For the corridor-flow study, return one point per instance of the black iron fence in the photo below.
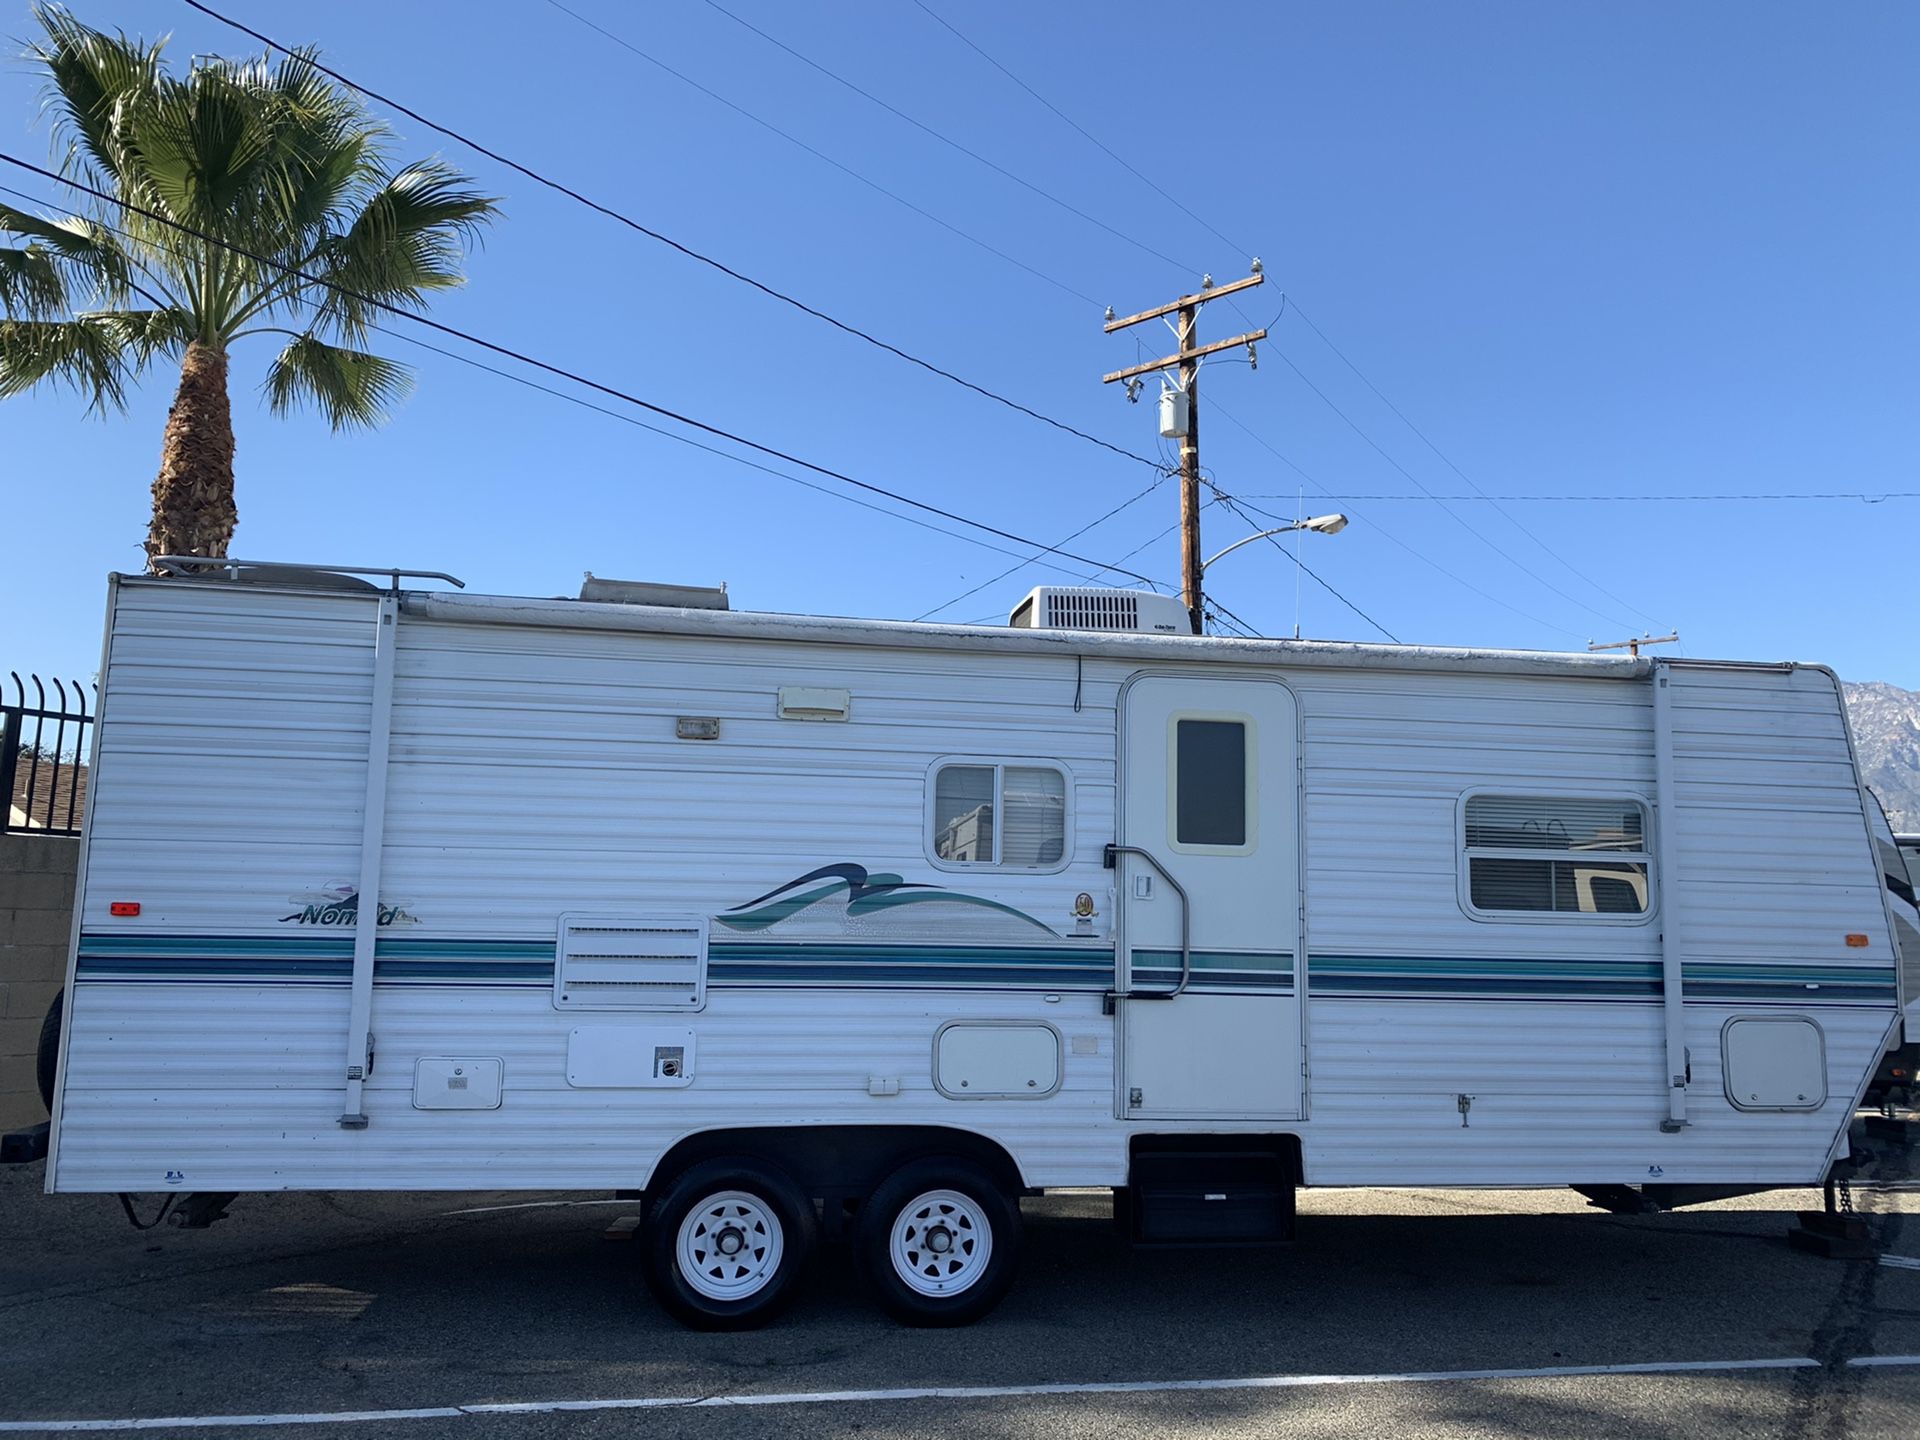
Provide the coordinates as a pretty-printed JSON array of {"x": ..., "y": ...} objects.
[{"x": 43, "y": 755}]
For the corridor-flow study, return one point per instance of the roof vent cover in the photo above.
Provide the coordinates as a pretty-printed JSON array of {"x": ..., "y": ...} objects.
[
  {"x": 644, "y": 592},
  {"x": 1067, "y": 607}
]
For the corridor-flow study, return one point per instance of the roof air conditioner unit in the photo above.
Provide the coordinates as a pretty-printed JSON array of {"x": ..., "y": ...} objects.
[{"x": 1069, "y": 607}]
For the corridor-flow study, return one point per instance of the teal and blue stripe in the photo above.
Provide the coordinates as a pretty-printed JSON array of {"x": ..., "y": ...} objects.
[
  {"x": 763, "y": 964},
  {"x": 328, "y": 959},
  {"x": 1526, "y": 978},
  {"x": 311, "y": 959},
  {"x": 1240, "y": 970}
]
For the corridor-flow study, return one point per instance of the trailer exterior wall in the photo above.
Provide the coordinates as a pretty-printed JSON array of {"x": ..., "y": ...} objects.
[{"x": 535, "y": 771}]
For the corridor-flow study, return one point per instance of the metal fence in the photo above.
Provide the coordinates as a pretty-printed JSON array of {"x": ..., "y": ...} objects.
[{"x": 43, "y": 755}]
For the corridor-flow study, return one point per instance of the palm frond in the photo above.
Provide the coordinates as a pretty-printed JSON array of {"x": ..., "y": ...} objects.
[
  {"x": 145, "y": 335},
  {"x": 31, "y": 285},
  {"x": 329, "y": 145},
  {"x": 94, "y": 81},
  {"x": 202, "y": 143},
  {"x": 85, "y": 354},
  {"x": 258, "y": 172},
  {"x": 81, "y": 252},
  {"x": 409, "y": 239},
  {"x": 352, "y": 388}
]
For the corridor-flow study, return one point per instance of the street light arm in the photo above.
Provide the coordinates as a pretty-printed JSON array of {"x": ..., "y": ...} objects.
[
  {"x": 1248, "y": 540},
  {"x": 1319, "y": 524}
]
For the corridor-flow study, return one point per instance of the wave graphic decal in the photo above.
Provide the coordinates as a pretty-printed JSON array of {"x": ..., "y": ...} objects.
[{"x": 868, "y": 897}]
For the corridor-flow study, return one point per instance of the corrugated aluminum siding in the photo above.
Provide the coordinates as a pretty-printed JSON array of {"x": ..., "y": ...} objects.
[{"x": 535, "y": 771}]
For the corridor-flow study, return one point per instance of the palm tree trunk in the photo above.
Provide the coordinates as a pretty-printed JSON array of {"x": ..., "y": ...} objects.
[{"x": 193, "y": 509}]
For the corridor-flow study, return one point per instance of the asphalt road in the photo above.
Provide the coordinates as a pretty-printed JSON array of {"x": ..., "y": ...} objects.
[{"x": 308, "y": 1305}]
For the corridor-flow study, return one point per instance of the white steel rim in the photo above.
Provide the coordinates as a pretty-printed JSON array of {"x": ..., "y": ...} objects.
[
  {"x": 941, "y": 1243},
  {"x": 730, "y": 1245}
]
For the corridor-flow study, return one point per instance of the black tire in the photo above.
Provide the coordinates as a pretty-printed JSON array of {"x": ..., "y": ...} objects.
[
  {"x": 772, "y": 1199},
  {"x": 47, "y": 1062},
  {"x": 992, "y": 1219}
]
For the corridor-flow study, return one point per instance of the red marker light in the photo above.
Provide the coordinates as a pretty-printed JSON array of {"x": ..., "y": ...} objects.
[{"x": 124, "y": 907}]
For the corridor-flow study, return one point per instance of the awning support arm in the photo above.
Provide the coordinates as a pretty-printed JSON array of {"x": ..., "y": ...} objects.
[{"x": 373, "y": 826}]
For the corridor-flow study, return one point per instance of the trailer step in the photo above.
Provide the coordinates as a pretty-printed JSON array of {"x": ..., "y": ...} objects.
[
  {"x": 1204, "y": 1198},
  {"x": 23, "y": 1147}
]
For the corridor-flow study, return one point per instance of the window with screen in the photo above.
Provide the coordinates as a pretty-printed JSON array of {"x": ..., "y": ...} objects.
[
  {"x": 1010, "y": 815},
  {"x": 1210, "y": 782},
  {"x": 1556, "y": 854}
]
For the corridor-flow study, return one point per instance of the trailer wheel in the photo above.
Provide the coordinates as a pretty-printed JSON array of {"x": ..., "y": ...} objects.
[
  {"x": 47, "y": 1061},
  {"x": 723, "y": 1247},
  {"x": 939, "y": 1241}
]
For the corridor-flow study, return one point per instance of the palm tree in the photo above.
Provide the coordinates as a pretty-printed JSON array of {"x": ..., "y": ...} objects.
[{"x": 287, "y": 220}]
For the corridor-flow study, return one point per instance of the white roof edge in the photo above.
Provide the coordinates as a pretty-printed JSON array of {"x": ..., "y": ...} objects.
[{"x": 904, "y": 634}]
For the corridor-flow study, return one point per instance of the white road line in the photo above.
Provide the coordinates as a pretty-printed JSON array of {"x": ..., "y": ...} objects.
[
  {"x": 1900, "y": 1262},
  {"x": 930, "y": 1392}
]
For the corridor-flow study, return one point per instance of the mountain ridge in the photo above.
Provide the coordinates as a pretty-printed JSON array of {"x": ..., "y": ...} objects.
[{"x": 1886, "y": 733}]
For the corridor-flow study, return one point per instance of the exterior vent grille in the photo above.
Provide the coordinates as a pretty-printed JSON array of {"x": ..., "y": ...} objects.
[
  {"x": 1083, "y": 610},
  {"x": 1070, "y": 607},
  {"x": 631, "y": 962}
]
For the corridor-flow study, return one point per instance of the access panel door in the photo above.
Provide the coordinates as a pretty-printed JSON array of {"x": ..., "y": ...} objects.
[{"x": 1210, "y": 791}]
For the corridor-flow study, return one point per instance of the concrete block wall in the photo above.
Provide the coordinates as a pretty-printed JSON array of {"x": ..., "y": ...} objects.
[{"x": 36, "y": 922}]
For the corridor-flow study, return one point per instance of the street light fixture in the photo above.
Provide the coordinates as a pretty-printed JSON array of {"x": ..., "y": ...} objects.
[{"x": 1319, "y": 524}]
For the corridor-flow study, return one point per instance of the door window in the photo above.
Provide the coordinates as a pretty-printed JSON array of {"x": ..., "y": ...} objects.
[{"x": 1210, "y": 789}]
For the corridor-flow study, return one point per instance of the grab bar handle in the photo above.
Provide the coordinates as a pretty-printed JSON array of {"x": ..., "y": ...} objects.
[{"x": 1111, "y": 860}]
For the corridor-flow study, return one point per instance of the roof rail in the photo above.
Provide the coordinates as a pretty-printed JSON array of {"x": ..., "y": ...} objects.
[{"x": 207, "y": 565}]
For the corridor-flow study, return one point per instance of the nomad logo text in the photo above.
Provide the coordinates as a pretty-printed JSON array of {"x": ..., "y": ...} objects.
[{"x": 341, "y": 906}]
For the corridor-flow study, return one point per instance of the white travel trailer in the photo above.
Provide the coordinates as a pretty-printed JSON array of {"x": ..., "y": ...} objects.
[{"x": 797, "y": 923}]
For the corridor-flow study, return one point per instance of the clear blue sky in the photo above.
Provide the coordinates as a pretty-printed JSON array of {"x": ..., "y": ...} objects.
[{"x": 1588, "y": 250}]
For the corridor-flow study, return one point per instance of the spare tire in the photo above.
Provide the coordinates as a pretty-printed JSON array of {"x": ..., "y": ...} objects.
[{"x": 49, "y": 1057}]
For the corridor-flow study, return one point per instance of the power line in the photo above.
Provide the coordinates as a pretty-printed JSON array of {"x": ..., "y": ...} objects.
[
  {"x": 1098, "y": 144},
  {"x": 1867, "y": 497},
  {"x": 689, "y": 441},
  {"x": 1160, "y": 191},
  {"x": 894, "y": 110},
  {"x": 1105, "y": 149},
  {"x": 1479, "y": 535},
  {"x": 822, "y": 155},
  {"x": 1088, "y": 135},
  {"x": 1157, "y": 538},
  {"x": 1233, "y": 301},
  {"x": 944, "y": 139},
  {"x": 1379, "y": 529},
  {"x": 390, "y": 309},
  {"x": 1448, "y": 460},
  {"x": 1233, "y": 627},
  {"x": 664, "y": 433},
  {"x": 667, "y": 240},
  {"x": 1311, "y": 573},
  {"x": 1153, "y": 539},
  {"x": 996, "y": 579},
  {"x": 715, "y": 450}
]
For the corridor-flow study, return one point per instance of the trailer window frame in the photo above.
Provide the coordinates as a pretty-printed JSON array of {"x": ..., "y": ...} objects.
[
  {"x": 999, "y": 764},
  {"x": 1643, "y": 857}
]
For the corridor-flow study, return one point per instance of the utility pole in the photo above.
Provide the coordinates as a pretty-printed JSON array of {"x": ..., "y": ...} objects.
[{"x": 1187, "y": 359}]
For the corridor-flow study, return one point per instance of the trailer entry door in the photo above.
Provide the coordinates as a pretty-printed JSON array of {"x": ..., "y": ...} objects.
[{"x": 1209, "y": 791}]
